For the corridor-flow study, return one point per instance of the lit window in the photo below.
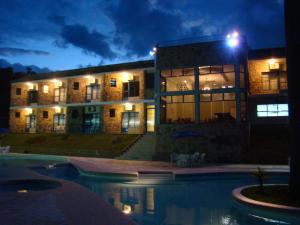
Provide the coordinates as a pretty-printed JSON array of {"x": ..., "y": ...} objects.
[
  {"x": 45, "y": 89},
  {"x": 272, "y": 110},
  {"x": 113, "y": 82}
]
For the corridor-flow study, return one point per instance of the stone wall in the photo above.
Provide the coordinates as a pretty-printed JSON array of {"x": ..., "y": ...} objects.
[
  {"x": 45, "y": 125},
  {"x": 46, "y": 98},
  {"x": 220, "y": 141},
  {"x": 17, "y": 125},
  {"x": 19, "y": 100},
  {"x": 256, "y": 68}
]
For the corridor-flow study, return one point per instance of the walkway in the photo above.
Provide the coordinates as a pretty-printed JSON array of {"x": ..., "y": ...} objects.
[
  {"x": 130, "y": 167},
  {"x": 69, "y": 204},
  {"x": 143, "y": 150}
]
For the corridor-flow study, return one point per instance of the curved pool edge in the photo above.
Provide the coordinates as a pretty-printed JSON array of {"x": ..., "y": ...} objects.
[{"x": 237, "y": 195}]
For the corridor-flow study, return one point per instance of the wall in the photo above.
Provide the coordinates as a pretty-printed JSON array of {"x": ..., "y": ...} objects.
[
  {"x": 17, "y": 125},
  {"x": 221, "y": 141},
  {"x": 45, "y": 125},
  {"x": 19, "y": 100}
]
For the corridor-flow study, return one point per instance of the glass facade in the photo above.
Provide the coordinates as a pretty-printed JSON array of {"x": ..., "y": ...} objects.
[{"x": 177, "y": 80}]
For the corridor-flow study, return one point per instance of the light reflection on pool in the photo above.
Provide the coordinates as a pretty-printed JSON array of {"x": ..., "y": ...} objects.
[{"x": 202, "y": 200}]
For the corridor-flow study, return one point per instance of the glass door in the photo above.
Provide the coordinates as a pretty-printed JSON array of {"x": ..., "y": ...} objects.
[
  {"x": 30, "y": 123},
  {"x": 129, "y": 120},
  {"x": 150, "y": 118}
]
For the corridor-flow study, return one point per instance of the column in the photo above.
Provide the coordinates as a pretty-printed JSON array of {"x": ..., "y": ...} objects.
[
  {"x": 237, "y": 90},
  {"x": 196, "y": 93},
  {"x": 157, "y": 96}
]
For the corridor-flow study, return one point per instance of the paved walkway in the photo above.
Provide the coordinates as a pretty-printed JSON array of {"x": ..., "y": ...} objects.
[
  {"x": 143, "y": 150},
  {"x": 69, "y": 204},
  {"x": 126, "y": 167}
]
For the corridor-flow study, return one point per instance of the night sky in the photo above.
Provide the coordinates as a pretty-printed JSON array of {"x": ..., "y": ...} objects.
[{"x": 67, "y": 34}]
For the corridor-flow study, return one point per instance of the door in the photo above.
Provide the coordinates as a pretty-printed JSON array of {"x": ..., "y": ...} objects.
[
  {"x": 150, "y": 118},
  {"x": 130, "y": 122},
  {"x": 91, "y": 123},
  {"x": 30, "y": 124},
  {"x": 59, "y": 123}
]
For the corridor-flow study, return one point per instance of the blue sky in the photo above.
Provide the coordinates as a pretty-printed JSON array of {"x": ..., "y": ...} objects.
[{"x": 67, "y": 34}]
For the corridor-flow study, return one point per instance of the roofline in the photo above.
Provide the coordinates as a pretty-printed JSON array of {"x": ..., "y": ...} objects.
[
  {"x": 266, "y": 53},
  {"x": 143, "y": 64}
]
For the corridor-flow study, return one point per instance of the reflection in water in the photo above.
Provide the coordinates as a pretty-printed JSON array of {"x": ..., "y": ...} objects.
[{"x": 203, "y": 201}]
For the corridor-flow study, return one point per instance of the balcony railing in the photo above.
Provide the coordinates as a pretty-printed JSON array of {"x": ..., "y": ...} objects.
[
  {"x": 32, "y": 96},
  {"x": 268, "y": 88}
]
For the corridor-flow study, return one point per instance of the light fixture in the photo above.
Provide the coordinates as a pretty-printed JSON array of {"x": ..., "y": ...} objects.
[
  {"x": 126, "y": 209},
  {"x": 126, "y": 76},
  {"x": 28, "y": 110},
  {"x": 30, "y": 85},
  {"x": 232, "y": 39},
  {"x": 206, "y": 89},
  {"x": 128, "y": 106},
  {"x": 273, "y": 64},
  {"x": 57, "y": 109},
  {"x": 185, "y": 81},
  {"x": 57, "y": 83},
  {"x": 23, "y": 191},
  {"x": 153, "y": 51}
]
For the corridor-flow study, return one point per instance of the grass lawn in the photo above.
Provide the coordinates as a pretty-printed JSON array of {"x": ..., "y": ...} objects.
[
  {"x": 278, "y": 194},
  {"x": 98, "y": 145}
]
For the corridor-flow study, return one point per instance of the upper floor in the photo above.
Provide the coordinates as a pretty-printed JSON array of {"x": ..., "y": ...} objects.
[{"x": 120, "y": 82}]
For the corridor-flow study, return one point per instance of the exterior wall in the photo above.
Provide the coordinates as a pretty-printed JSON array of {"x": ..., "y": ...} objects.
[
  {"x": 19, "y": 100},
  {"x": 113, "y": 125},
  {"x": 255, "y": 69},
  {"x": 116, "y": 93},
  {"x": 17, "y": 125},
  {"x": 221, "y": 142},
  {"x": 77, "y": 96},
  {"x": 46, "y": 98},
  {"x": 45, "y": 125}
]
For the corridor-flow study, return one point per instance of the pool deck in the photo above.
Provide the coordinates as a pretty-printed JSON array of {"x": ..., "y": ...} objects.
[
  {"x": 68, "y": 204},
  {"x": 131, "y": 167}
]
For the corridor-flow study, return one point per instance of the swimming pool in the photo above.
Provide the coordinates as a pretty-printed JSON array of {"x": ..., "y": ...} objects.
[{"x": 196, "y": 200}]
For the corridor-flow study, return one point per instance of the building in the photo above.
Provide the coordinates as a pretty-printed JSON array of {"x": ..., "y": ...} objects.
[
  {"x": 196, "y": 84},
  {"x": 5, "y": 79}
]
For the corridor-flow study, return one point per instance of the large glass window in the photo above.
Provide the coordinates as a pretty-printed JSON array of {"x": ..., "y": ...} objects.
[
  {"x": 59, "y": 122},
  {"x": 178, "y": 109},
  {"x": 177, "y": 80},
  {"x": 272, "y": 110},
  {"x": 216, "y": 77},
  {"x": 217, "y": 106},
  {"x": 91, "y": 123},
  {"x": 130, "y": 120}
]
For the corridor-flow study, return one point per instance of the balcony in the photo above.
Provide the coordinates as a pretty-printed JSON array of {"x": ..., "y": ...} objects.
[
  {"x": 272, "y": 87},
  {"x": 32, "y": 97}
]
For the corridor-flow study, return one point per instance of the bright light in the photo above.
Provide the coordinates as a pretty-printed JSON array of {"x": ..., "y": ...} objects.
[
  {"x": 28, "y": 110},
  {"x": 128, "y": 106},
  {"x": 151, "y": 53},
  {"x": 57, "y": 83},
  {"x": 185, "y": 81},
  {"x": 206, "y": 89},
  {"x": 126, "y": 209},
  {"x": 22, "y": 191},
  {"x": 57, "y": 109},
  {"x": 271, "y": 61},
  {"x": 126, "y": 76},
  {"x": 233, "y": 39},
  {"x": 90, "y": 78},
  {"x": 30, "y": 85}
]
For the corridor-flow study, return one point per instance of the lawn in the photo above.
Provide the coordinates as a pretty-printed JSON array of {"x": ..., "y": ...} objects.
[
  {"x": 278, "y": 194},
  {"x": 98, "y": 145}
]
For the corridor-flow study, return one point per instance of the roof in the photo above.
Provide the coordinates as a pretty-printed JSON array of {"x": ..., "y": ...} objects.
[
  {"x": 88, "y": 70},
  {"x": 266, "y": 53}
]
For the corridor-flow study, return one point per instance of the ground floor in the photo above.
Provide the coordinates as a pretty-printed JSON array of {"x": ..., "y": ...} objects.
[{"x": 128, "y": 118}]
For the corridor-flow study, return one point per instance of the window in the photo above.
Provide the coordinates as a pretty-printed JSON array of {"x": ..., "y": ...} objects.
[
  {"x": 113, "y": 82},
  {"x": 178, "y": 109},
  {"x": 17, "y": 114},
  {"x": 18, "y": 91},
  {"x": 131, "y": 89},
  {"x": 30, "y": 123},
  {"x": 272, "y": 110},
  {"x": 112, "y": 112},
  {"x": 177, "y": 80},
  {"x": 59, "y": 94},
  {"x": 45, "y": 89},
  {"x": 45, "y": 114},
  {"x": 91, "y": 123},
  {"x": 74, "y": 114},
  {"x": 76, "y": 86},
  {"x": 59, "y": 122},
  {"x": 92, "y": 92}
]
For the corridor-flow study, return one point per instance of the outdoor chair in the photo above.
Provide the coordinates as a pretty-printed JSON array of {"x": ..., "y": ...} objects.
[{"x": 4, "y": 150}]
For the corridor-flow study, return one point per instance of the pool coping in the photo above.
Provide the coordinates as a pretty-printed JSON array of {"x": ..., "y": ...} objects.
[{"x": 238, "y": 196}]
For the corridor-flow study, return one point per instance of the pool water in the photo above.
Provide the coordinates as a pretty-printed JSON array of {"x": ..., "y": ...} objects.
[{"x": 198, "y": 200}]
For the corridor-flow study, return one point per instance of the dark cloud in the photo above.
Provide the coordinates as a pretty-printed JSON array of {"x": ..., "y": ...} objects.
[
  {"x": 91, "y": 42},
  {"x": 57, "y": 19},
  {"x": 20, "y": 51},
  {"x": 18, "y": 67},
  {"x": 139, "y": 26}
]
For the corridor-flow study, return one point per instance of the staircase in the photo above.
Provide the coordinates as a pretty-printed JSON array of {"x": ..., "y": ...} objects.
[{"x": 142, "y": 150}]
